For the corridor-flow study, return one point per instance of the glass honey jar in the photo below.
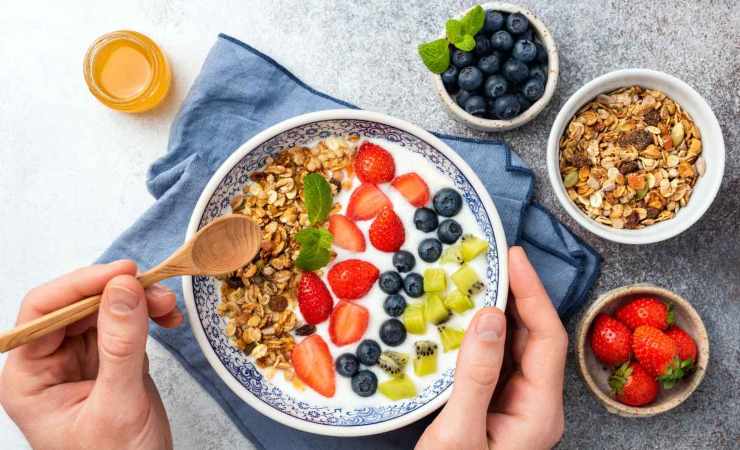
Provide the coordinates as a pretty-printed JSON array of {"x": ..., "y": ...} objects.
[{"x": 127, "y": 71}]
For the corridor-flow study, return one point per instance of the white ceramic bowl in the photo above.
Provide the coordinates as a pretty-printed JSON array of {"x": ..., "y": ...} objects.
[
  {"x": 713, "y": 151},
  {"x": 479, "y": 123},
  {"x": 306, "y": 411}
]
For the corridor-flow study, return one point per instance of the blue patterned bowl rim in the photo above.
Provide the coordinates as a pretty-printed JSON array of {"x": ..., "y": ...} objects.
[{"x": 231, "y": 366}]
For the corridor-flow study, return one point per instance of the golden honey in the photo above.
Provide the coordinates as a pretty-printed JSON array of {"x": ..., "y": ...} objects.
[{"x": 127, "y": 71}]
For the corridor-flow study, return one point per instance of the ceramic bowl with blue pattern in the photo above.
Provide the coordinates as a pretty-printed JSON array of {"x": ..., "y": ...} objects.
[{"x": 288, "y": 405}]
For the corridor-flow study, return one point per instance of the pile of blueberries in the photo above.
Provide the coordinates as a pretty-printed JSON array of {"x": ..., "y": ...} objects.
[{"x": 504, "y": 74}]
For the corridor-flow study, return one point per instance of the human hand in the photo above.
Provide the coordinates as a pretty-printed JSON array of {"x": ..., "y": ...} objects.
[
  {"x": 88, "y": 386},
  {"x": 526, "y": 409}
]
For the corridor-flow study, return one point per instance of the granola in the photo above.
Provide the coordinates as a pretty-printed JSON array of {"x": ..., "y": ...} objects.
[
  {"x": 258, "y": 301},
  {"x": 631, "y": 158}
]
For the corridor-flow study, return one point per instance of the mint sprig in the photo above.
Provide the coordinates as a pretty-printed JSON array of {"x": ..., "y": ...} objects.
[
  {"x": 315, "y": 248},
  {"x": 435, "y": 55},
  {"x": 317, "y": 197},
  {"x": 460, "y": 33},
  {"x": 474, "y": 20}
]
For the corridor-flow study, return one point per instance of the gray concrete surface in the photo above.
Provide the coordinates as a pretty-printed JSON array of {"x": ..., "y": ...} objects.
[{"x": 65, "y": 158}]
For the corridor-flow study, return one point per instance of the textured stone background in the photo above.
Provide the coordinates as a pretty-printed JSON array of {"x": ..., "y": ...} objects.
[{"x": 80, "y": 168}]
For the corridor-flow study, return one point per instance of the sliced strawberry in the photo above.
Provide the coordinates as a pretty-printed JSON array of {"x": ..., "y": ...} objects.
[
  {"x": 346, "y": 234},
  {"x": 373, "y": 164},
  {"x": 348, "y": 323},
  {"x": 366, "y": 202},
  {"x": 314, "y": 299},
  {"x": 314, "y": 366},
  {"x": 413, "y": 187},
  {"x": 352, "y": 279},
  {"x": 386, "y": 232}
]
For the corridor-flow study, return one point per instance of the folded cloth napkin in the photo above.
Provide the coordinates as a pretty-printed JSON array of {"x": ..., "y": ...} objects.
[{"x": 240, "y": 92}]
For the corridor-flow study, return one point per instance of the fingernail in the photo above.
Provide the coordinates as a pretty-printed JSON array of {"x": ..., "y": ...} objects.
[
  {"x": 490, "y": 327},
  {"x": 157, "y": 290},
  {"x": 122, "y": 300}
]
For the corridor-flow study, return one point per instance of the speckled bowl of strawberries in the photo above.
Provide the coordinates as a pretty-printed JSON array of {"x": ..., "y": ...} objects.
[{"x": 642, "y": 350}]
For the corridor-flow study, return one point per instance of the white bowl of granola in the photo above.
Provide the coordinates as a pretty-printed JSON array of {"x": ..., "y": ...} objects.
[{"x": 636, "y": 156}]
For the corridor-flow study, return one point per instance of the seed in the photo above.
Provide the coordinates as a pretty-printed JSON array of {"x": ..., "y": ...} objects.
[{"x": 677, "y": 134}]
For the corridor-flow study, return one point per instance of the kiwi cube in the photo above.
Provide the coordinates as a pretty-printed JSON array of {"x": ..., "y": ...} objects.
[
  {"x": 413, "y": 318},
  {"x": 435, "y": 280},
  {"x": 435, "y": 310},
  {"x": 451, "y": 337},
  {"x": 471, "y": 246},
  {"x": 467, "y": 280},
  {"x": 458, "y": 302},
  {"x": 451, "y": 254},
  {"x": 425, "y": 358},
  {"x": 398, "y": 388}
]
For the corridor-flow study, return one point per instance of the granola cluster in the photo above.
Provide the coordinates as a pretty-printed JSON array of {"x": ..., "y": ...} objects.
[
  {"x": 258, "y": 301},
  {"x": 630, "y": 158}
]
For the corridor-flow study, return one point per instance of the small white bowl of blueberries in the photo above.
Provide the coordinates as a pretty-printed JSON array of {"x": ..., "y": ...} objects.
[{"x": 496, "y": 68}]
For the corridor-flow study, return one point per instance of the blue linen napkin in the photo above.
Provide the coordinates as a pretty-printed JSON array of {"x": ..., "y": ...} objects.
[{"x": 240, "y": 92}]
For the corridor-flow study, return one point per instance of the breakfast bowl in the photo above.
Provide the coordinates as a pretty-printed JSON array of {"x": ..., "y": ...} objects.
[
  {"x": 340, "y": 410},
  {"x": 596, "y": 375},
  {"x": 691, "y": 171},
  {"x": 528, "y": 111}
]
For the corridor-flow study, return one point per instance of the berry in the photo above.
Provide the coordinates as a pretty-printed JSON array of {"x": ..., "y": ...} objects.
[
  {"x": 475, "y": 105},
  {"x": 490, "y": 64},
  {"x": 462, "y": 97},
  {"x": 515, "y": 70},
  {"x": 348, "y": 323},
  {"x": 346, "y": 233},
  {"x": 366, "y": 202},
  {"x": 394, "y": 305},
  {"x": 368, "y": 352},
  {"x": 404, "y": 261},
  {"x": 611, "y": 340},
  {"x": 495, "y": 86},
  {"x": 430, "y": 249},
  {"x": 533, "y": 89},
  {"x": 470, "y": 78},
  {"x": 425, "y": 220},
  {"x": 413, "y": 188},
  {"x": 632, "y": 385},
  {"x": 449, "y": 79},
  {"x": 313, "y": 365},
  {"x": 658, "y": 354},
  {"x": 507, "y": 107},
  {"x": 524, "y": 50},
  {"x": 541, "y": 53},
  {"x": 462, "y": 59},
  {"x": 524, "y": 103},
  {"x": 646, "y": 311},
  {"x": 449, "y": 231},
  {"x": 390, "y": 282},
  {"x": 502, "y": 40},
  {"x": 447, "y": 202},
  {"x": 314, "y": 299},
  {"x": 347, "y": 364},
  {"x": 364, "y": 383},
  {"x": 517, "y": 23},
  {"x": 386, "y": 233},
  {"x": 413, "y": 285},
  {"x": 392, "y": 332},
  {"x": 686, "y": 345},
  {"x": 482, "y": 45},
  {"x": 373, "y": 164},
  {"x": 495, "y": 21},
  {"x": 528, "y": 35},
  {"x": 352, "y": 278},
  {"x": 538, "y": 73}
]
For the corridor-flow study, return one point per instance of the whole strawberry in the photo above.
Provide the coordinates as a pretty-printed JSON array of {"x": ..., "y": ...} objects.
[
  {"x": 687, "y": 350},
  {"x": 658, "y": 354},
  {"x": 611, "y": 340},
  {"x": 386, "y": 233},
  {"x": 314, "y": 299},
  {"x": 352, "y": 278},
  {"x": 373, "y": 164},
  {"x": 632, "y": 385},
  {"x": 646, "y": 311}
]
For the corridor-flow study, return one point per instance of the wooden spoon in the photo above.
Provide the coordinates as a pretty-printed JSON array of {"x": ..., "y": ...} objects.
[{"x": 222, "y": 246}]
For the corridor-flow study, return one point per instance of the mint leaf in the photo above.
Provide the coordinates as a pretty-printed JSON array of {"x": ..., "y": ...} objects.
[
  {"x": 466, "y": 44},
  {"x": 315, "y": 248},
  {"x": 473, "y": 20},
  {"x": 435, "y": 55},
  {"x": 455, "y": 30},
  {"x": 313, "y": 259},
  {"x": 317, "y": 196}
]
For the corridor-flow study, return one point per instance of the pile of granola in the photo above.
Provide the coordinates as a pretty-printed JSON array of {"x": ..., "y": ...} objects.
[
  {"x": 630, "y": 158},
  {"x": 258, "y": 301}
]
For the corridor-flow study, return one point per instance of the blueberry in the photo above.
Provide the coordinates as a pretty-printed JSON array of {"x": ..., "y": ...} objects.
[
  {"x": 507, "y": 107},
  {"x": 523, "y": 102},
  {"x": 463, "y": 97},
  {"x": 390, "y": 282},
  {"x": 502, "y": 40},
  {"x": 364, "y": 383},
  {"x": 347, "y": 364},
  {"x": 516, "y": 23},
  {"x": 528, "y": 35},
  {"x": 490, "y": 63},
  {"x": 462, "y": 59},
  {"x": 538, "y": 72},
  {"x": 470, "y": 78},
  {"x": 515, "y": 70},
  {"x": 482, "y": 45},
  {"x": 430, "y": 249},
  {"x": 524, "y": 50},
  {"x": 449, "y": 231},
  {"x": 413, "y": 285},
  {"x": 368, "y": 352},
  {"x": 533, "y": 89},
  {"x": 403, "y": 260},
  {"x": 489, "y": 108},
  {"x": 425, "y": 220},
  {"x": 475, "y": 105},
  {"x": 447, "y": 202},
  {"x": 495, "y": 86},
  {"x": 392, "y": 332},
  {"x": 449, "y": 79},
  {"x": 541, "y": 53},
  {"x": 495, "y": 20},
  {"x": 394, "y": 305}
]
